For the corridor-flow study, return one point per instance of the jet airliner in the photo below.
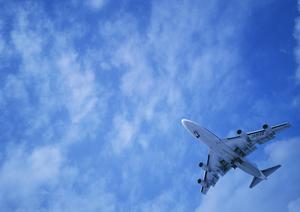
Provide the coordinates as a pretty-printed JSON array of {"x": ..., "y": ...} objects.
[{"x": 231, "y": 152}]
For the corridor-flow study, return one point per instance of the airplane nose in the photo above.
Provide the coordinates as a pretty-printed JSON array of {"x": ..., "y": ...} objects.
[
  {"x": 192, "y": 127},
  {"x": 184, "y": 122},
  {"x": 187, "y": 124}
]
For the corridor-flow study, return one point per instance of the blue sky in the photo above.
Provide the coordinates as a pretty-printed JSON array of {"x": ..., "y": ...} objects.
[{"x": 92, "y": 94}]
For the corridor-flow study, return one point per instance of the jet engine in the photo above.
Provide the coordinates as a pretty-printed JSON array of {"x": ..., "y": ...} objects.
[
  {"x": 265, "y": 126},
  {"x": 203, "y": 166},
  {"x": 268, "y": 130},
  {"x": 243, "y": 135},
  {"x": 200, "y": 181}
]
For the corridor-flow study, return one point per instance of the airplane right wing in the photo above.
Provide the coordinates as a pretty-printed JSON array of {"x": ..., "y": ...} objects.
[{"x": 213, "y": 168}]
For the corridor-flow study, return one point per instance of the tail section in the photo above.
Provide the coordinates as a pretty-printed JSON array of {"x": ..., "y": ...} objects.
[
  {"x": 269, "y": 171},
  {"x": 255, "y": 181},
  {"x": 266, "y": 173}
]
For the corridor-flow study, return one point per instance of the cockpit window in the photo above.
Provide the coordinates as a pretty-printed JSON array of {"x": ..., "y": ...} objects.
[{"x": 196, "y": 134}]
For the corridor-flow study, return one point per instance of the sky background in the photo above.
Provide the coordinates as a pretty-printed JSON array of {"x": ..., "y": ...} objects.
[{"x": 92, "y": 94}]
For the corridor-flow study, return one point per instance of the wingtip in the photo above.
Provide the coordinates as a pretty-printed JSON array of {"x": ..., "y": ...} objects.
[{"x": 287, "y": 124}]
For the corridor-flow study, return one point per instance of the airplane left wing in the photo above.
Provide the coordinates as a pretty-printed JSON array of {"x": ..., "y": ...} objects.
[
  {"x": 267, "y": 133},
  {"x": 213, "y": 168},
  {"x": 245, "y": 143}
]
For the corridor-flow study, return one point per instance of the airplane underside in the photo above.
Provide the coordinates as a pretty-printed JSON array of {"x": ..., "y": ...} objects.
[{"x": 228, "y": 153}]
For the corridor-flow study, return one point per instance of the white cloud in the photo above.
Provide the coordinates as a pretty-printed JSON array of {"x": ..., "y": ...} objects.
[
  {"x": 61, "y": 79},
  {"x": 23, "y": 173},
  {"x": 166, "y": 201},
  {"x": 2, "y": 45},
  {"x": 283, "y": 150},
  {"x": 81, "y": 96},
  {"x": 294, "y": 206},
  {"x": 45, "y": 163},
  {"x": 158, "y": 67},
  {"x": 94, "y": 197},
  {"x": 15, "y": 88},
  {"x": 96, "y": 4},
  {"x": 124, "y": 133},
  {"x": 61, "y": 103},
  {"x": 295, "y": 102},
  {"x": 30, "y": 179}
]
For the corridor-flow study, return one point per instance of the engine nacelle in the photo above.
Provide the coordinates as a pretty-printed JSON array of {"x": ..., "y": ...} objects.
[
  {"x": 269, "y": 131},
  {"x": 243, "y": 135},
  {"x": 201, "y": 182},
  {"x": 265, "y": 126},
  {"x": 203, "y": 166}
]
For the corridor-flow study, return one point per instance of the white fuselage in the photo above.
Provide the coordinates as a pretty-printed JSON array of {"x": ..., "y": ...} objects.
[{"x": 220, "y": 148}]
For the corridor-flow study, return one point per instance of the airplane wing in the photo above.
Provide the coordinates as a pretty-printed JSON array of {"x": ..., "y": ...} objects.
[
  {"x": 245, "y": 143},
  {"x": 214, "y": 167},
  {"x": 264, "y": 135}
]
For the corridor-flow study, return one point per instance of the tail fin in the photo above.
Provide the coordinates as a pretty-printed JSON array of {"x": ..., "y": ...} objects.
[{"x": 265, "y": 172}]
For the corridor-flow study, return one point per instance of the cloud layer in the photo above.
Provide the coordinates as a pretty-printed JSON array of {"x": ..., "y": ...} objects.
[{"x": 92, "y": 95}]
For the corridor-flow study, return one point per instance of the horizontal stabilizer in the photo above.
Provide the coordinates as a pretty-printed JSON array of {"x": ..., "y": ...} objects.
[
  {"x": 255, "y": 181},
  {"x": 266, "y": 172},
  {"x": 269, "y": 171}
]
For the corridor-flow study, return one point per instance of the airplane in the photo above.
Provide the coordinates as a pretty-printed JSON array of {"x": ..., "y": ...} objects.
[{"x": 231, "y": 152}]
